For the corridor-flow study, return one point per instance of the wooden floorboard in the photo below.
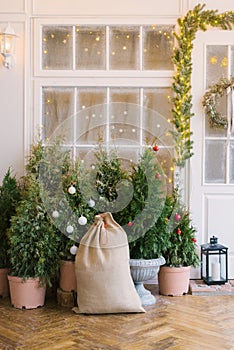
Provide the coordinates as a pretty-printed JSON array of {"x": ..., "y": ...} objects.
[{"x": 175, "y": 323}]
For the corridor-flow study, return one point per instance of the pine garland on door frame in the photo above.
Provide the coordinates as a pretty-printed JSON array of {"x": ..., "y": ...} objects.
[
  {"x": 210, "y": 101},
  {"x": 194, "y": 20}
]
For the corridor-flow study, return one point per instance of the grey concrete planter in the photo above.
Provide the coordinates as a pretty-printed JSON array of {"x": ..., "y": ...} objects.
[{"x": 143, "y": 270}]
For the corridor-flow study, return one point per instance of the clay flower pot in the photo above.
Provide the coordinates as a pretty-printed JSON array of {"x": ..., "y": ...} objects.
[
  {"x": 26, "y": 294},
  {"x": 67, "y": 280},
  {"x": 4, "y": 285},
  {"x": 174, "y": 281}
]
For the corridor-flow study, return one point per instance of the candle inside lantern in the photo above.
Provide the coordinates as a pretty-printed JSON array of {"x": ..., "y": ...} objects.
[{"x": 215, "y": 271}]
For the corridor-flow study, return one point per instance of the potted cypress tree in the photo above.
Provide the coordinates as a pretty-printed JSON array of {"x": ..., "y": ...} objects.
[
  {"x": 181, "y": 253},
  {"x": 33, "y": 250},
  {"x": 33, "y": 242},
  {"x": 9, "y": 197},
  {"x": 148, "y": 237},
  {"x": 139, "y": 217},
  {"x": 84, "y": 211}
]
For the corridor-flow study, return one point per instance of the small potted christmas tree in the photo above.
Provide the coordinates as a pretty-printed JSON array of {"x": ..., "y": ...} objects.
[
  {"x": 140, "y": 215},
  {"x": 181, "y": 253},
  {"x": 147, "y": 237},
  {"x": 9, "y": 197},
  {"x": 33, "y": 242},
  {"x": 84, "y": 212}
]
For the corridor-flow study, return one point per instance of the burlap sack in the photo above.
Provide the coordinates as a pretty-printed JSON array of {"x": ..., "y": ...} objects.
[{"x": 104, "y": 283}]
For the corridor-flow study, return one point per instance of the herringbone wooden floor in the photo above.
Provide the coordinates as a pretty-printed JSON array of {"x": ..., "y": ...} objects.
[{"x": 176, "y": 323}]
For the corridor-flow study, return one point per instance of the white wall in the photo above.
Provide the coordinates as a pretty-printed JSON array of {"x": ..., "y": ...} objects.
[
  {"x": 12, "y": 106},
  {"x": 107, "y": 7},
  {"x": 16, "y": 86},
  {"x": 221, "y": 5}
]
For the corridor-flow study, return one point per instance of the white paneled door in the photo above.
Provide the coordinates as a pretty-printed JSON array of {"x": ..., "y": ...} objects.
[{"x": 212, "y": 166}]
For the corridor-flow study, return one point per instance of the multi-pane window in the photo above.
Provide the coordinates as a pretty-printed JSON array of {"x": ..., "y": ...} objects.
[
  {"x": 107, "y": 47},
  {"x": 219, "y": 142},
  {"x": 119, "y": 90}
]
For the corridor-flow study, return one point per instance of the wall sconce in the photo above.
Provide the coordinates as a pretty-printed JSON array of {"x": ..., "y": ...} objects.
[{"x": 7, "y": 45}]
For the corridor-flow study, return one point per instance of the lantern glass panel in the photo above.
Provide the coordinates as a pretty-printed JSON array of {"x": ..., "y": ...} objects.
[
  {"x": 7, "y": 44},
  {"x": 214, "y": 266}
]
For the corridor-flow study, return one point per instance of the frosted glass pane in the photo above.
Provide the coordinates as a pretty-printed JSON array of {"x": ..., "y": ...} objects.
[
  {"x": 87, "y": 155},
  {"x": 91, "y": 122},
  {"x": 128, "y": 156},
  {"x": 221, "y": 107},
  {"x": 123, "y": 132},
  {"x": 90, "y": 47},
  {"x": 87, "y": 97},
  {"x": 124, "y": 116},
  {"x": 158, "y": 100},
  {"x": 157, "y": 47},
  {"x": 215, "y": 161},
  {"x": 57, "y": 47},
  {"x": 124, "y": 95},
  {"x": 124, "y": 48},
  {"x": 57, "y": 107},
  {"x": 231, "y": 162},
  {"x": 232, "y": 60},
  {"x": 216, "y": 63}
]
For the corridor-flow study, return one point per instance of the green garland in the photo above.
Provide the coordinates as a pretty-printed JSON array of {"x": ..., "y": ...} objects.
[
  {"x": 196, "y": 19},
  {"x": 210, "y": 99}
]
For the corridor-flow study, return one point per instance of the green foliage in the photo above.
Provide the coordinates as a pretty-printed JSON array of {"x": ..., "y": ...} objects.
[
  {"x": 65, "y": 245},
  {"x": 156, "y": 240},
  {"x": 182, "y": 250},
  {"x": 110, "y": 180},
  {"x": 194, "y": 20},
  {"x": 78, "y": 178},
  {"x": 36, "y": 245},
  {"x": 34, "y": 158},
  {"x": 9, "y": 197},
  {"x": 145, "y": 209},
  {"x": 33, "y": 239}
]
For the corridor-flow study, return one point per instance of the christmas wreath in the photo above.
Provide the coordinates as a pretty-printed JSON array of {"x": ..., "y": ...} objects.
[{"x": 210, "y": 102}]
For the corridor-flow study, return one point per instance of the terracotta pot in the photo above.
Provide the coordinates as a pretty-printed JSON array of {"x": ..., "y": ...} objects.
[
  {"x": 174, "y": 281},
  {"x": 67, "y": 280},
  {"x": 26, "y": 294},
  {"x": 4, "y": 285}
]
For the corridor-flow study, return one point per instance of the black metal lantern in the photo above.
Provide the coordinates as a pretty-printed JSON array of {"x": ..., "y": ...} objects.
[{"x": 214, "y": 262}]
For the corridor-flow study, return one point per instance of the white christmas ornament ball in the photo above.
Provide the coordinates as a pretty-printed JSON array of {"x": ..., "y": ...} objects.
[
  {"x": 82, "y": 220},
  {"x": 70, "y": 229},
  {"x": 71, "y": 190},
  {"x": 73, "y": 250},
  {"x": 55, "y": 214},
  {"x": 91, "y": 203}
]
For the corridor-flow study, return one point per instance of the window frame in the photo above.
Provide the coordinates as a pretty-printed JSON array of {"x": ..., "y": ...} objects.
[{"x": 39, "y": 23}]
